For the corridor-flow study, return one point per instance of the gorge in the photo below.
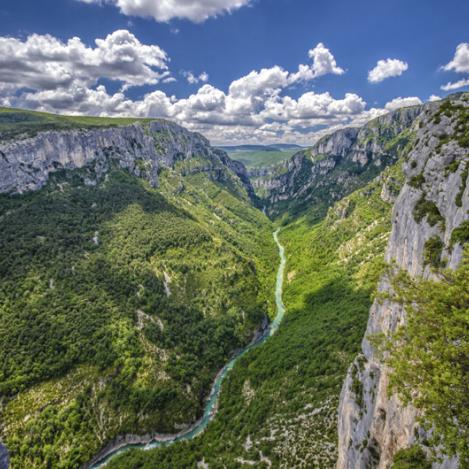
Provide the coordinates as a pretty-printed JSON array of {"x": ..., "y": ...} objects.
[{"x": 137, "y": 261}]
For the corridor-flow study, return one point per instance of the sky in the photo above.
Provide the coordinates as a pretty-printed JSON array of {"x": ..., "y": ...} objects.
[{"x": 238, "y": 71}]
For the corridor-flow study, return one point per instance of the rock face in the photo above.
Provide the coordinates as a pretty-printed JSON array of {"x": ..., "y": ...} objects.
[
  {"x": 373, "y": 426},
  {"x": 143, "y": 149},
  {"x": 337, "y": 164}
]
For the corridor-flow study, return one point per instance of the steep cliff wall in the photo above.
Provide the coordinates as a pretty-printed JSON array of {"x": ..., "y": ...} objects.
[
  {"x": 372, "y": 425},
  {"x": 142, "y": 148},
  {"x": 337, "y": 164}
]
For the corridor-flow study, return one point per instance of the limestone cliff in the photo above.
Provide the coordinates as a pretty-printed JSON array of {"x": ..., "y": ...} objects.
[
  {"x": 337, "y": 164},
  {"x": 372, "y": 426},
  {"x": 144, "y": 149}
]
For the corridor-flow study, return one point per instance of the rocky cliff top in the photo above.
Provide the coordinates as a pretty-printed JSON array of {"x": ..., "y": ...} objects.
[
  {"x": 144, "y": 148},
  {"x": 338, "y": 164}
]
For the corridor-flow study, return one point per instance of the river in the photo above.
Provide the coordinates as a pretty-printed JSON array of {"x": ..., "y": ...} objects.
[{"x": 158, "y": 440}]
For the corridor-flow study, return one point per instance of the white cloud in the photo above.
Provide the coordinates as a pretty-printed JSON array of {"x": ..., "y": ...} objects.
[
  {"x": 78, "y": 100},
  {"x": 311, "y": 105},
  {"x": 194, "y": 79},
  {"x": 402, "y": 102},
  {"x": 433, "y": 97},
  {"x": 460, "y": 62},
  {"x": 166, "y": 10},
  {"x": 47, "y": 74},
  {"x": 455, "y": 85},
  {"x": 220, "y": 116},
  {"x": 312, "y": 109},
  {"x": 264, "y": 82},
  {"x": 323, "y": 63},
  {"x": 45, "y": 62},
  {"x": 386, "y": 69},
  {"x": 204, "y": 77}
]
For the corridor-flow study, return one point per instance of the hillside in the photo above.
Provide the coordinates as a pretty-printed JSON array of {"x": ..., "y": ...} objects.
[
  {"x": 127, "y": 282},
  {"x": 20, "y": 123},
  {"x": 279, "y": 405},
  {"x": 257, "y": 158},
  {"x": 420, "y": 315}
]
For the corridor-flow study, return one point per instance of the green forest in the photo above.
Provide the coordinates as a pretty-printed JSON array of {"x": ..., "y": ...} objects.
[
  {"x": 435, "y": 340},
  {"x": 119, "y": 305}
]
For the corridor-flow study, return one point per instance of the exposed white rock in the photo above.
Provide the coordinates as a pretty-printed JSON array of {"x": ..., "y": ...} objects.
[
  {"x": 202, "y": 464},
  {"x": 166, "y": 282},
  {"x": 338, "y": 163},
  {"x": 142, "y": 149},
  {"x": 373, "y": 426}
]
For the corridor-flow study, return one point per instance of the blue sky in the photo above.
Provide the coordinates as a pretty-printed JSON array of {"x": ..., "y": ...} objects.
[{"x": 237, "y": 70}]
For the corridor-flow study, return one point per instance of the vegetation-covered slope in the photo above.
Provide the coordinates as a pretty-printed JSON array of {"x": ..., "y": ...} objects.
[
  {"x": 425, "y": 323},
  {"x": 120, "y": 302},
  {"x": 438, "y": 383},
  {"x": 278, "y": 405},
  {"x": 15, "y": 123}
]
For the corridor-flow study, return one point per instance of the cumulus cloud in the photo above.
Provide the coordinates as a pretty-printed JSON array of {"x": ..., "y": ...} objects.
[
  {"x": 194, "y": 79},
  {"x": 323, "y": 63},
  {"x": 386, "y": 69},
  {"x": 433, "y": 97},
  {"x": 221, "y": 116},
  {"x": 166, "y": 10},
  {"x": 45, "y": 62},
  {"x": 47, "y": 74},
  {"x": 259, "y": 83},
  {"x": 402, "y": 102},
  {"x": 311, "y": 105},
  {"x": 455, "y": 85},
  {"x": 460, "y": 62}
]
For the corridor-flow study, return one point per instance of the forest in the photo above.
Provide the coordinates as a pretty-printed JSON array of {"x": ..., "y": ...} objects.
[{"x": 119, "y": 306}]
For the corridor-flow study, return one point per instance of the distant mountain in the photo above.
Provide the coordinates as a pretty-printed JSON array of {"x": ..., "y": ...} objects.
[
  {"x": 285, "y": 146},
  {"x": 273, "y": 147}
]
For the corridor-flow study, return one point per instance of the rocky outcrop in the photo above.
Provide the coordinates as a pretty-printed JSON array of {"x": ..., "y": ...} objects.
[
  {"x": 373, "y": 425},
  {"x": 337, "y": 164},
  {"x": 144, "y": 149}
]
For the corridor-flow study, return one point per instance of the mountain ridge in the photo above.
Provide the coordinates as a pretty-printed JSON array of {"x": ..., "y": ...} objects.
[{"x": 335, "y": 165}]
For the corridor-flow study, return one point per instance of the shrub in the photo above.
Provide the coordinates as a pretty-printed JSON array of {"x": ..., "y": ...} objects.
[
  {"x": 435, "y": 341},
  {"x": 452, "y": 167},
  {"x": 417, "y": 181},
  {"x": 460, "y": 234},
  {"x": 411, "y": 458},
  {"x": 426, "y": 208},
  {"x": 465, "y": 173},
  {"x": 432, "y": 251}
]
